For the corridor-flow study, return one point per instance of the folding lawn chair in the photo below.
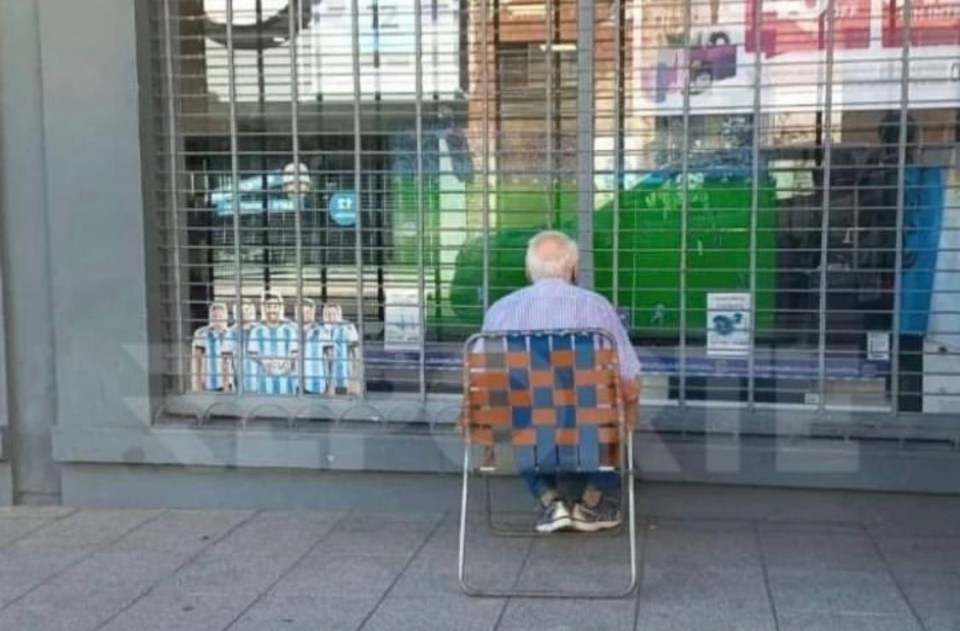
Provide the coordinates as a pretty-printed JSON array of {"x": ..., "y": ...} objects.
[{"x": 548, "y": 401}]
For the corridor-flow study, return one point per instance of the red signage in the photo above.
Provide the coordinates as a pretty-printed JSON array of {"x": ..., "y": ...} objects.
[
  {"x": 932, "y": 23},
  {"x": 789, "y": 26}
]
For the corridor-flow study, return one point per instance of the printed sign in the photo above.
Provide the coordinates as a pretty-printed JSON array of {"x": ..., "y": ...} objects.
[
  {"x": 343, "y": 209},
  {"x": 728, "y": 324},
  {"x": 401, "y": 320}
]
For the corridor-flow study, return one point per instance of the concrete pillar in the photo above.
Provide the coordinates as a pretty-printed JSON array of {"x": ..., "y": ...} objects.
[{"x": 25, "y": 259}]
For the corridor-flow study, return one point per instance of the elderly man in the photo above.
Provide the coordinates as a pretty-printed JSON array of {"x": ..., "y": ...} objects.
[{"x": 554, "y": 301}]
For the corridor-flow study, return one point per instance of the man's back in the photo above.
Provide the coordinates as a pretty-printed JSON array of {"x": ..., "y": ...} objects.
[{"x": 556, "y": 304}]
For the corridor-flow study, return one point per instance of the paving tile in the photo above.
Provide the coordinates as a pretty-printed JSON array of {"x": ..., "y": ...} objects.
[
  {"x": 84, "y": 530},
  {"x": 656, "y": 618},
  {"x": 379, "y": 534},
  {"x": 230, "y": 573},
  {"x": 555, "y": 574},
  {"x": 704, "y": 588},
  {"x": 836, "y": 592},
  {"x": 808, "y": 551},
  {"x": 74, "y": 608},
  {"x": 942, "y": 623},
  {"x": 737, "y": 503},
  {"x": 117, "y": 567},
  {"x": 269, "y": 534},
  {"x": 49, "y": 618},
  {"x": 13, "y": 529},
  {"x": 35, "y": 512},
  {"x": 909, "y": 515},
  {"x": 183, "y": 530},
  {"x": 523, "y": 614},
  {"x": 316, "y": 612},
  {"x": 921, "y": 554},
  {"x": 701, "y": 544},
  {"x": 342, "y": 575},
  {"x": 435, "y": 576},
  {"x": 181, "y": 611},
  {"x": 435, "y": 614},
  {"x": 814, "y": 621},
  {"x": 933, "y": 596},
  {"x": 22, "y": 571},
  {"x": 481, "y": 543}
]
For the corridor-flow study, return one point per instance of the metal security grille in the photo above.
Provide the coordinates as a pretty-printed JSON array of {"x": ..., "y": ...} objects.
[{"x": 768, "y": 191}]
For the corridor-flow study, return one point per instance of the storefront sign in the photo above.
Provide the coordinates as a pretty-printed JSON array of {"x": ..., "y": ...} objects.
[
  {"x": 325, "y": 51},
  {"x": 728, "y": 324},
  {"x": 717, "y": 62}
]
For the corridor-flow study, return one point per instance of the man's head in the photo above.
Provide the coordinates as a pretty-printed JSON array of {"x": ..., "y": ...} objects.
[
  {"x": 248, "y": 312},
  {"x": 308, "y": 312},
  {"x": 552, "y": 254},
  {"x": 296, "y": 179},
  {"x": 272, "y": 307},
  {"x": 218, "y": 316},
  {"x": 332, "y": 314}
]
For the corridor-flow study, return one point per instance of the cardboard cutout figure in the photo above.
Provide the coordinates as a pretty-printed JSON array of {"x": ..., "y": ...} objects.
[
  {"x": 274, "y": 346},
  {"x": 239, "y": 335},
  {"x": 345, "y": 360},
  {"x": 317, "y": 342},
  {"x": 211, "y": 352}
]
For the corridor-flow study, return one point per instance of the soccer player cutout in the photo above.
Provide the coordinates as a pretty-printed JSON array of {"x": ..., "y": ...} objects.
[
  {"x": 345, "y": 340},
  {"x": 239, "y": 336},
  {"x": 211, "y": 354},
  {"x": 316, "y": 343},
  {"x": 273, "y": 345}
]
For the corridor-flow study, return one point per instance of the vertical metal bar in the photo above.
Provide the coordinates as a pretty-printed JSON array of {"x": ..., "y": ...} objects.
[
  {"x": 294, "y": 14},
  {"x": 901, "y": 206},
  {"x": 825, "y": 213},
  {"x": 618, "y": 80},
  {"x": 235, "y": 180},
  {"x": 585, "y": 131},
  {"x": 755, "y": 200},
  {"x": 485, "y": 125},
  {"x": 550, "y": 141},
  {"x": 357, "y": 165},
  {"x": 421, "y": 226},
  {"x": 174, "y": 166},
  {"x": 684, "y": 203}
]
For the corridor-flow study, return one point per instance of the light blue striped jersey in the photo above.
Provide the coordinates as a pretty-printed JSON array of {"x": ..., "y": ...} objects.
[
  {"x": 214, "y": 344},
  {"x": 316, "y": 341},
  {"x": 345, "y": 338},
  {"x": 274, "y": 349},
  {"x": 240, "y": 339},
  {"x": 556, "y": 304}
]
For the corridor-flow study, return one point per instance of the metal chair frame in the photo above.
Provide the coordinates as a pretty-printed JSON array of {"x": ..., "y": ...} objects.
[{"x": 624, "y": 465}]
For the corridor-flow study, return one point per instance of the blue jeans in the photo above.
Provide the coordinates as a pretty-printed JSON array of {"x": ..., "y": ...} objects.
[{"x": 607, "y": 482}]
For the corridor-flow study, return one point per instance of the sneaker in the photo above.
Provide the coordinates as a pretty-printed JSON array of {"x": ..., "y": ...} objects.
[
  {"x": 553, "y": 517},
  {"x": 606, "y": 514}
]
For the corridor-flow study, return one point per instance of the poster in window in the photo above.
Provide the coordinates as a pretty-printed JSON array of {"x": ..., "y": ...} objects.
[
  {"x": 728, "y": 324},
  {"x": 402, "y": 320}
]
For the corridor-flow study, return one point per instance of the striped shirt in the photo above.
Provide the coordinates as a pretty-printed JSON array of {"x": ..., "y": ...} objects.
[
  {"x": 214, "y": 344},
  {"x": 344, "y": 336},
  {"x": 275, "y": 347},
  {"x": 556, "y": 304},
  {"x": 316, "y": 340},
  {"x": 238, "y": 337}
]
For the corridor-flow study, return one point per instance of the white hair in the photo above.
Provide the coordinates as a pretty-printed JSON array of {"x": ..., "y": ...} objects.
[{"x": 559, "y": 264}]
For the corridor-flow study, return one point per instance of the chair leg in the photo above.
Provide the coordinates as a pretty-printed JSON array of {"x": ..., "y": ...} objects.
[{"x": 628, "y": 478}]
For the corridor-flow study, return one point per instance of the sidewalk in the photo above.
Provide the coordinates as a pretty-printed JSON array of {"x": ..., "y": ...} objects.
[{"x": 712, "y": 558}]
